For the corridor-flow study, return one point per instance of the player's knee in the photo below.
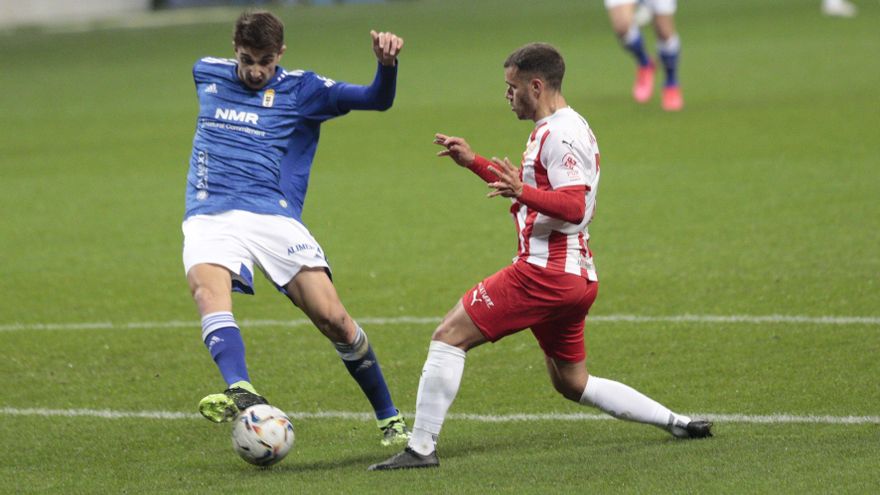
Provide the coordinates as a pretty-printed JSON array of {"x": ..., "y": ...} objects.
[
  {"x": 570, "y": 393},
  {"x": 570, "y": 389},
  {"x": 207, "y": 298},
  {"x": 335, "y": 325},
  {"x": 442, "y": 333},
  {"x": 448, "y": 333}
]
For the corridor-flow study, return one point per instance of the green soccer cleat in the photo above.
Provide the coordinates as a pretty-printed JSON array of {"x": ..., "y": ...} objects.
[
  {"x": 221, "y": 408},
  {"x": 394, "y": 431}
]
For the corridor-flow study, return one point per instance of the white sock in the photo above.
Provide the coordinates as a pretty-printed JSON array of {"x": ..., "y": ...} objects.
[
  {"x": 625, "y": 402},
  {"x": 438, "y": 386},
  {"x": 670, "y": 46},
  {"x": 631, "y": 35}
]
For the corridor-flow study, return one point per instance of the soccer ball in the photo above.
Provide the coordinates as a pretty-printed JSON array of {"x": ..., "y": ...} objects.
[{"x": 262, "y": 435}]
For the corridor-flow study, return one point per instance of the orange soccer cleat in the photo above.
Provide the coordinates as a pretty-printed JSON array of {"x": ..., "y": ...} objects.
[
  {"x": 644, "y": 85},
  {"x": 673, "y": 101}
]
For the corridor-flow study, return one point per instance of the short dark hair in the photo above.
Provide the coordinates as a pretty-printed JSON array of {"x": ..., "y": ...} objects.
[
  {"x": 540, "y": 59},
  {"x": 259, "y": 30}
]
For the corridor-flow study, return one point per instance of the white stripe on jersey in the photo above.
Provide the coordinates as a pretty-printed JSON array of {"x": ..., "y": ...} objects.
[{"x": 573, "y": 244}]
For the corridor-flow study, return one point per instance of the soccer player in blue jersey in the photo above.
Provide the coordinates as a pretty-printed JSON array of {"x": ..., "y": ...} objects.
[
  {"x": 623, "y": 16},
  {"x": 255, "y": 140}
]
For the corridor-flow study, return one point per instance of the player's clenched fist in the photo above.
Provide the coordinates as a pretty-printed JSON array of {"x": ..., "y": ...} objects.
[{"x": 386, "y": 46}]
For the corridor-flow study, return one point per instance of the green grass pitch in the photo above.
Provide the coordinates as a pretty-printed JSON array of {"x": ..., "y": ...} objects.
[{"x": 759, "y": 199}]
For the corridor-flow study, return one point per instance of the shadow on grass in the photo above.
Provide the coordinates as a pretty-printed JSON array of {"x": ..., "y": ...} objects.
[{"x": 628, "y": 442}]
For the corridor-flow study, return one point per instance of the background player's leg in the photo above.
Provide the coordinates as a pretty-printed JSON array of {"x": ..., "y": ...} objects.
[
  {"x": 312, "y": 290},
  {"x": 668, "y": 50},
  {"x": 627, "y": 30},
  {"x": 623, "y": 23}
]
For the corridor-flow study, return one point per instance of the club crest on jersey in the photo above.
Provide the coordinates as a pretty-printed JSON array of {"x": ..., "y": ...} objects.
[
  {"x": 268, "y": 98},
  {"x": 571, "y": 165}
]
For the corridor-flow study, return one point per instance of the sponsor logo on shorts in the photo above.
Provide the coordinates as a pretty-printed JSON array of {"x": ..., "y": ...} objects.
[
  {"x": 299, "y": 247},
  {"x": 480, "y": 295}
]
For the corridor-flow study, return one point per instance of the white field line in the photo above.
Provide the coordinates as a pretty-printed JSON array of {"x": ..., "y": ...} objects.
[
  {"x": 418, "y": 320},
  {"x": 482, "y": 418}
]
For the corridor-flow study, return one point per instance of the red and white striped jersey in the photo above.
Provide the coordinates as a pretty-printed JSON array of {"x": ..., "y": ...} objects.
[{"x": 561, "y": 152}]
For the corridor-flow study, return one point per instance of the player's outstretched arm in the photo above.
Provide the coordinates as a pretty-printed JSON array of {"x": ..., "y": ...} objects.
[
  {"x": 456, "y": 148},
  {"x": 380, "y": 94},
  {"x": 387, "y": 47},
  {"x": 461, "y": 153}
]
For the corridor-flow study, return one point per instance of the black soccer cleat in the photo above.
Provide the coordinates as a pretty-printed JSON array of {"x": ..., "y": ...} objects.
[
  {"x": 699, "y": 428},
  {"x": 244, "y": 398},
  {"x": 408, "y": 459}
]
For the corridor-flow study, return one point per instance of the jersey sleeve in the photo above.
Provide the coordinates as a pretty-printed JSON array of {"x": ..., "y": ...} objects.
[
  {"x": 318, "y": 97},
  {"x": 567, "y": 159},
  {"x": 198, "y": 73},
  {"x": 377, "y": 96},
  {"x": 209, "y": 69},
  {"x": 480, "y": 166},
  {"x": 565, "y": 204}
]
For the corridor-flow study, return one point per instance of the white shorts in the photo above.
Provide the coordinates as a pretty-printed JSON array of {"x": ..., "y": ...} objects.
[
  {"x": 661, "y": 7},
  {"x": 237, "y": 240}
]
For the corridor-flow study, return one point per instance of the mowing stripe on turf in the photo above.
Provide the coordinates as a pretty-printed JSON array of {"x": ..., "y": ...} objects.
[
  {"x": 483, "y": 418},
  {"x": 133, "y": 20},
  {"x": 433, "y": 320}
]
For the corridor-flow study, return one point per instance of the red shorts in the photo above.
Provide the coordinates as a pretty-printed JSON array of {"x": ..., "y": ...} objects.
[{"x": 553, "y": 304}]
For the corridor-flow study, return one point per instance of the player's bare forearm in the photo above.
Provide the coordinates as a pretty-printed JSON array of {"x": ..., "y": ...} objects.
[{"x": 387, "y": 47}]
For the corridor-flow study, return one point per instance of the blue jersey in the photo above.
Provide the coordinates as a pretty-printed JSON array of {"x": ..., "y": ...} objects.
[{"x": 253, "y": 150}]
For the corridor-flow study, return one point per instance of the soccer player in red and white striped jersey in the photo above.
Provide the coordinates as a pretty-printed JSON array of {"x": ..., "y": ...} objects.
[{"x": 552, "y": 282}]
